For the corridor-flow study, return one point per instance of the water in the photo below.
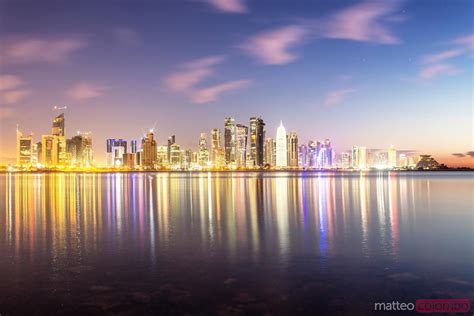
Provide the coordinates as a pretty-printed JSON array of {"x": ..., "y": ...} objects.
[{"x": 233, "y": 243}]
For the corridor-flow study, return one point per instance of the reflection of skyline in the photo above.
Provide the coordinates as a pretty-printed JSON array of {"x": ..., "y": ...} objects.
[{"x": 75, "y": 214}]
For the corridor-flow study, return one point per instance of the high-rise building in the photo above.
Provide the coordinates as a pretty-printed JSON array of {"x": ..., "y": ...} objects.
[
  {"x": 303, "y": 157},
  {"x": 241, "y": 145},
  {"x": 148, "y": 151},
  {"x": 257, "y": 135},
  {"x": 203, "y": 152},
  {"x": 229, "y": 140},
  {"x": 175, "y": 156},
  {"x": 270, "y": 152},
  {"x": 312, "y": 154},
  {"x": 79, "y": 149},
  {"x": 171, "y": 141},
  {"x": 215, "y": 144},
  {"x": 281, "y": 148},
  {"x": 392, "y": 157},
  {"x": 345, "y": 160},
  {"x": 24, "y": 147},
  {"x": 292, "y": 150},
  {"x": 58, "y": 128},
  {"x": 53, "y": 150},
  {"x": 162, "y": 156},
  {"x": 39, "y": 152},
  {"x": 359, "y": 157},
  {"x": 116, "y": 148}
]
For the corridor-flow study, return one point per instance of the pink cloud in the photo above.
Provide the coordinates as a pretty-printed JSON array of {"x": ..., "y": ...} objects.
[
  {"x": 84, "y": 91},
  {"x": 365, "y": 21},
  {"x": 337, "y": 96},
  {"x": 433, "y": 71},
  {"x": 466, "y": 41},
  {"x": 273, "y": 47},
  {"x": 229, "y": 6},
  {"x": 33, "y": 50},
  {"x": 13, "y": 96},
  {"x": 8, "y": 82},
  {"x": 192, "y": 73},
  {"x": 434, "y": 58},
  {"x": 211, "y": 93}
]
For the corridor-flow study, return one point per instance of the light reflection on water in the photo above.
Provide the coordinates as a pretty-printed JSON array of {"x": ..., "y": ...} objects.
[{"x": 293, "y": 222}]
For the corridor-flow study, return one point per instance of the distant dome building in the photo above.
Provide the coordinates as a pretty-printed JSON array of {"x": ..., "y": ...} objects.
[{"x": 427, "y": 162}]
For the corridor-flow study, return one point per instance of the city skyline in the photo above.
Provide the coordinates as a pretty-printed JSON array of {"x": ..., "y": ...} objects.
[{"x": 386, "y": 78}]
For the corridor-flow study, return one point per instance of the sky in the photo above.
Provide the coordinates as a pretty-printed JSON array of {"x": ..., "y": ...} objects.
[{"x": 366, "y": 73}]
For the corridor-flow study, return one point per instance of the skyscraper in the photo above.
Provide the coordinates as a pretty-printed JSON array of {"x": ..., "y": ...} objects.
[
  {"x": 215, "y": 143},
  {"x": 24, "y": 147},
  {"x": 53, "y": 150},
  {"x": 241, "y": 145},
  {"x": 270, "y": 152},
  {"x": 292, "y": 150},
  {"x": 312, "y": 154},
  {"x": 203, "y": 152},
  {"x": 392, "y": 157},
  {"x": 359, "y": 157},
  {"x": 257, "y": 135},
  {"x": 281, "y": 149},
  {"x": 58, "y": 125},
  {"x": 171, "y": 141},
  {"x": 116, "y": 148},
  {"x": 79, "y": 149},
  {"x": 303, "y": 158},
  {"x": 149, "y": 151},
  {"x": 229, "y": 140}
]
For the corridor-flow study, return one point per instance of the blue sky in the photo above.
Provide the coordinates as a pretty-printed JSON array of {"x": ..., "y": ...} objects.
[{"x": 363, "y": 73}]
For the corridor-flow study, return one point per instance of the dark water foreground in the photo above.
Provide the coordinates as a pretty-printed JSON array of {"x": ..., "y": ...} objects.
[{"x": 233, "y": 243}]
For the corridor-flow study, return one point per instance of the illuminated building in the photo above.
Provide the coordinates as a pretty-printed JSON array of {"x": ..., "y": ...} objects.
[
  {"x": 175, "y": 156},
  {"x": 79, "y": 148},
  {"x": 53, "y": 150},
  {"x": 39, "y": 152},
  {"x": 359, "y": 157},
  {"x": 115, "y": 150},
  {"x": 257, "y": 135},
  {"x": 303, "y": 157},
  {"x": 129, "y": 160},
  {"x": 203, "y": 152},
  {"x": 426, "y": 162},
  {"x": 24, "y": 147},
  {"x": 58, "y": 128},
  {"x": 241, "y": 145},
  {"x": 329, "y": 154},
  {"x": 392, "y": 157},
  {"x": 162, "y": 156},
  {"x": 148, "y": 151},
  {"x": 171, "y": 141},
  {"x": 281, "y": 150},
  {"x": 270, "y": 152},
  {"x": 215, "y": 144},
  {"x": 312, "y": 154},
  {"x": 229, "y": 140},
  {"x": 345, "y": 160},
  {"x": 292, "y": 150}
]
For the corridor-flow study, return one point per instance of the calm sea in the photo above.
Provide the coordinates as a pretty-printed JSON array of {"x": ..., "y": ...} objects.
[{"x": 233, "y": 243}]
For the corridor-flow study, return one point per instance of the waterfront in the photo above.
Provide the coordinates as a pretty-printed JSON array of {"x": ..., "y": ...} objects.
[{"x": 233, "y": 243}]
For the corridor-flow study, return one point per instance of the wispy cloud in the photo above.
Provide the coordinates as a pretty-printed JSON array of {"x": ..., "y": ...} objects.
[
  {"x": 459, "y": 155},
  {"x": 192, "y": 73},
  {"x": 465, "y": 41},
  {"x": 8, "y": 82},
  {"x": 366, "y": 21},
  {"x": 127, "y": 36},
  {"x": 35, "y": 50},
  {"x": 273, "y": 47},
  {"x": 13, "y": 96},
  {"x": 211, "y": 93},
  {"x": 84, "y": 90},
  {"x": 229, "y": 6},
  {"x": 441, "y": 56},
  {"x": 335, "y": 97},
  {"x": 470, "y": 154},
  {"x": 435, "y": 70}
]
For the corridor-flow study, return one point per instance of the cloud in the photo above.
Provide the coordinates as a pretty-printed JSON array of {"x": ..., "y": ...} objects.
[
  {"x": 434, "y": 58},
  {"x": 6, "y": 112},
  {"x": 13, "y": 96},
  {"x": 465, "y": 41},
  {"x": 229, "y": 6},
  {"x": 459, "y": 155},
  {"x": 8, "y": 82},
  {"x": 337, "y": 96},
  {"x": 470, "y": 154},
  {"x": 82, "y": 91},
  {"x": 273, "y": 47},
  {"x": 127, "y": 36},
  {"x": 435, "y": 70},
  {"x": 192, "y": 73},
  {"x": 211, "y": 93},
  {"x": 35, "y": 50},
  {"x": 365, "y": 21}
]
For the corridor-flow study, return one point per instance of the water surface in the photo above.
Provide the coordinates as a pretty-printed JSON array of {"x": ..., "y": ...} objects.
[{"x": 233, "y": 243}]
